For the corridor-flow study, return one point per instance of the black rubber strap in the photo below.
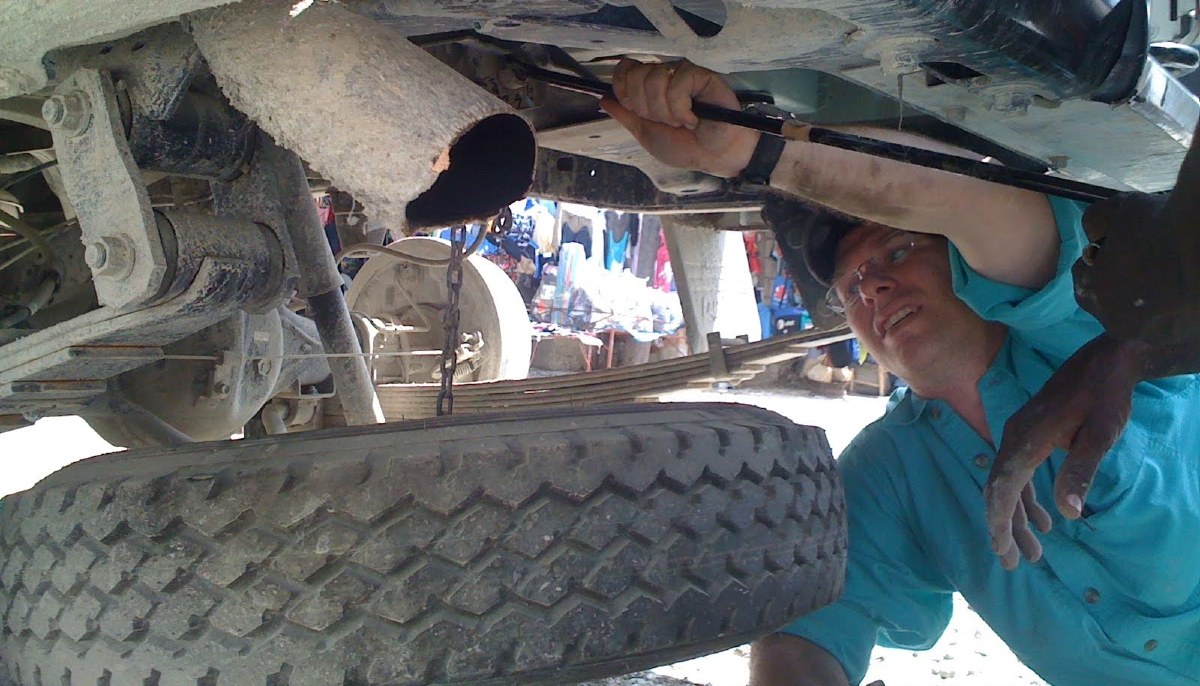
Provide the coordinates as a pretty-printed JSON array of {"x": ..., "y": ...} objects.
[{"x": 763, "y": 161}]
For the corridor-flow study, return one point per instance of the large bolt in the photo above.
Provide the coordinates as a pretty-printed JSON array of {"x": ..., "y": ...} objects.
[
  {"x": 900, "y": 55},
  {"x": 955, "y": 113},
  {"x": 899, "y": 62},
  {"x": 1010, "y": 101},
  {"x": 69, "y": 113},
  {"x": 110, "y": 256},
  {"x": 95, "y": 255}
]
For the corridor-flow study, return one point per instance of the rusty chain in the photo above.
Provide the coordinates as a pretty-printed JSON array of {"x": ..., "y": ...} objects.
[{"x": 450, "y": 320}]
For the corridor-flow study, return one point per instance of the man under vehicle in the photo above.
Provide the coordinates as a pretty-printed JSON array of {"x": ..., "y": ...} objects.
[{"x": 1116, "y": 599}]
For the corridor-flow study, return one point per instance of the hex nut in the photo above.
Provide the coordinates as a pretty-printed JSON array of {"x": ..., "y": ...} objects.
[
  {"x": 1010, "y": 102},
  {"x": 109, "y": 257},
  {"x": 95, "y": 255},
  {"x": 70, "y": 113}
]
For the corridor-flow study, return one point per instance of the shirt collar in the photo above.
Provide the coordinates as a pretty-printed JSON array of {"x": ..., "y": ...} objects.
[{"x": 905, "y": 407}]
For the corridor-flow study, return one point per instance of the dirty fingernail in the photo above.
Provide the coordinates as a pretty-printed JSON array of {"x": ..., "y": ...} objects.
[{"x": 1075, "y": 502}]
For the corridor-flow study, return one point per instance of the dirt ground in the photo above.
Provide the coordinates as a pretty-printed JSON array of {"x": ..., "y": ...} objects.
[{"x": 969, "y": 654}]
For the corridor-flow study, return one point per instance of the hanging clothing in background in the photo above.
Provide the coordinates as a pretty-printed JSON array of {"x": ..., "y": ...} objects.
[
  {"x": 329, "y": 222},
  {"x": 664, "y": 276},
  {"x": 647, "y": 241},
  {"x": 578, "y": 231},
  {"x": 614, "y": 252},
  {"x": 618, "y": 231},
  {"x": 570, "y": 259},
  {"x": 543, "y": 214},
  {"x": 750, "y": 239},
  {"x": 583, "y": 225}
]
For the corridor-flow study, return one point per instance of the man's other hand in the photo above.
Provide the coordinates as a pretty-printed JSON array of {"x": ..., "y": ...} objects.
[
  {"x": 1141, "y": 274},
  {"x": 1082, "y": 408},
  {"x": 1134, "y": 276},
  {"x": 654, "y": 101}
]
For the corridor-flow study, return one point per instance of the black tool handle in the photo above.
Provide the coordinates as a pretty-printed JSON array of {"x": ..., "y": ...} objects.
[{"x": 1017, "y": 178}]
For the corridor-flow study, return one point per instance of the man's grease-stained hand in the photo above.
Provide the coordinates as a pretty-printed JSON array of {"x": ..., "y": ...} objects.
[
  {"x": 1140, "y": 276},
  {"x": 1082, "y": 408},
  {"x": 654, "y": 102},
  {"x": 1137, "y": 275}
]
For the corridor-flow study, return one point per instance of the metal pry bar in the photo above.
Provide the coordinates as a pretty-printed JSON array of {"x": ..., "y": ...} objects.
[{"x": 799, "y": 131}]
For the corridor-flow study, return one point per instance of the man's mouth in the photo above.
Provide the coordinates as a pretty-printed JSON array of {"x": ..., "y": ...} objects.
[{"x": 897, "y": 317}]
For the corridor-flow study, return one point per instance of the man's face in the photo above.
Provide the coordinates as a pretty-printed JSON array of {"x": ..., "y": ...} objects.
[{"x": 900, "y": 302}]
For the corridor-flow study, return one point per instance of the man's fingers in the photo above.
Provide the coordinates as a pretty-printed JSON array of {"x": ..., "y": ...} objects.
[
  {"x": 632, "y": 81},
  {"x": 654, "y": 88},
  {"x": 1075, "y": 477},
  {"x": 1027, "y": 543},
  {"x": 1001, "y": 498},
  {"x": 621, "y": 77},
  {"x": 1011, "y": 558},
  {"x": 625, "y": 117},
  {"x": 1010, "y": 475},
  {"x": 680, "y": 93},
  {"x": 1038, "y": 516}
]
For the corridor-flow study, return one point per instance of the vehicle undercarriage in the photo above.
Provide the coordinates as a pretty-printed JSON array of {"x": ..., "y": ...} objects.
[{"x": 164, "y": 275}]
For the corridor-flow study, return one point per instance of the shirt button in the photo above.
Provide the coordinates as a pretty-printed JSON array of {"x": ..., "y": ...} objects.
[
  {"x": 982, "y": 461},
  {"x": 935, "y": 412},
  {"x": 1151, "y": 645},
  {"x": 1091, "y": 596}
]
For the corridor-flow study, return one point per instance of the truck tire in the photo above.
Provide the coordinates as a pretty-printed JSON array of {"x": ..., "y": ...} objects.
[{"x": 532, "y": 547}]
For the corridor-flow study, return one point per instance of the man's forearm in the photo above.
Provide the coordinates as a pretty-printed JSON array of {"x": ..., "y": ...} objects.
[
  {"x": 1006, "y": 234},
  {"x": 1171, "y": 359}
]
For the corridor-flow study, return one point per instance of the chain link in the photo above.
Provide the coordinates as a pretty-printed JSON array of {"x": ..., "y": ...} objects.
[{"x": 450, "y": 320}]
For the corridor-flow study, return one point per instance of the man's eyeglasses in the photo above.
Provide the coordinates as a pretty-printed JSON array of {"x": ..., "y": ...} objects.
[{"x": 846, "y": 290}]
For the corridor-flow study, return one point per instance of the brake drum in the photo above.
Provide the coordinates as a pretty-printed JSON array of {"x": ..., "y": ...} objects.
[{"x": 403, "y": 303}]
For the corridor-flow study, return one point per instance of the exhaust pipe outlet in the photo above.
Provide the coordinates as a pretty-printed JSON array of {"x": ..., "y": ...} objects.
[{"x": 416, "y": 142}]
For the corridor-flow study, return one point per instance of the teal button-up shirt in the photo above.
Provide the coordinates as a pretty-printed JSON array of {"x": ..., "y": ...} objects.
[{"x": 1116, "y": 604}]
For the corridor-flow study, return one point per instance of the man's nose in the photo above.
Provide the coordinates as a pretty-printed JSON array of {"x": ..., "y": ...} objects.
[{"x": 873, "y": 281}]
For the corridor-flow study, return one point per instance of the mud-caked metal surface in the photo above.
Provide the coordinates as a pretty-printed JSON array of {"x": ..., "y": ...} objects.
[
  {"x": 224, "y": 266},
  {"x": 404, "y": 121},
  {"x": 124, "y": 249},
  {"x": 321, "y": 285}
]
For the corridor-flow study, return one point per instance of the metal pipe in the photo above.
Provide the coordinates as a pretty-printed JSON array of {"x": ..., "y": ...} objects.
[
  {"x": 273, "y": 418},
  {"x": 322, "y": 286},
  {"x": 416, "y": 142}
]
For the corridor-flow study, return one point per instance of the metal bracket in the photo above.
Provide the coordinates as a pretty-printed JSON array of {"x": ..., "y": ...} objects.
[
  {"x": 123, "y": 247},
  {"x": 718, "y": 363},
  {"x": 156, "y": 66}
]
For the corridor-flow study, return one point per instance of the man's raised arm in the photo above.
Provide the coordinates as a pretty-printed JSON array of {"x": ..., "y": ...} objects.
[{"x": 1005, "y": 234}]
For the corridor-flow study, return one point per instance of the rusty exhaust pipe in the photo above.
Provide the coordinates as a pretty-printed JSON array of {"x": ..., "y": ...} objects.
[{"x": 416, "y": 142}]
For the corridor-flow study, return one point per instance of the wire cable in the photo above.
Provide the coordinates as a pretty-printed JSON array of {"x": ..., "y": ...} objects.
[
  {"x": 29, "y": 233},
  {"x": 28, "y": 173},
  {"x": 362, "y": 249}
]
